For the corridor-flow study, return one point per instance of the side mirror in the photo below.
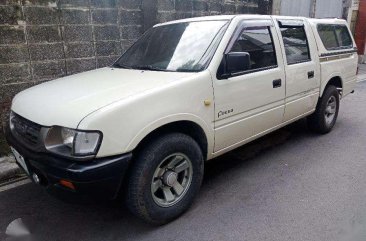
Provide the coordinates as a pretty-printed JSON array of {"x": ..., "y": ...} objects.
[{"x": 237, "y": 62}]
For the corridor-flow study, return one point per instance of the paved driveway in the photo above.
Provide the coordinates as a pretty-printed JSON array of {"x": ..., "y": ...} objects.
[{"x": 290, "y": 185}]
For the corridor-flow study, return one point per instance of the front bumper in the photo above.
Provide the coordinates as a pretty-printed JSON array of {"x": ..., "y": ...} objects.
[{"x": 100, "y": 177}]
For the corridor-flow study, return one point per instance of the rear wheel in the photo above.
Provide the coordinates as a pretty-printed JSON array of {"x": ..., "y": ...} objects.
[
  {"x": 165, "y": 178},
  {"x": 326, "y": 113}
]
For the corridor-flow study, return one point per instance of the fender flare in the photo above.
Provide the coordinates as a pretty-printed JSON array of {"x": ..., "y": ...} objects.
[
  {"x": 209, "y": 132},
  {"x": 328, "y": 78}
]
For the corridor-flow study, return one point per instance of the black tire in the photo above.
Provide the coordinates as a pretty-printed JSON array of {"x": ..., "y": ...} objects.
[
  {"x": 318, "y": 121},
  {"x": 139, "y": 197}
]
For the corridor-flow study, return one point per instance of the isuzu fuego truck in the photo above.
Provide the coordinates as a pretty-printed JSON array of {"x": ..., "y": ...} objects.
[{"x": 186, "y": 92}]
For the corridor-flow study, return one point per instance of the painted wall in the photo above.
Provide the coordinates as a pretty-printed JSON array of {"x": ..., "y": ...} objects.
[{"x": 360, "y": 31}]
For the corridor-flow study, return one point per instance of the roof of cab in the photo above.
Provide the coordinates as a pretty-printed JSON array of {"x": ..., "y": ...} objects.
[
  {"x": 196, "y": 19},
  {"x": 230, "y": 17},
  {"x": 212, "y": 18},
  {"x": 327, "y": 20}
]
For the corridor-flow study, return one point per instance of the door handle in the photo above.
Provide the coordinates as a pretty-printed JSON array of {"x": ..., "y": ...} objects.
[
  {"x": 277, "y": 83},
  {"x": 310, "y": 74}
]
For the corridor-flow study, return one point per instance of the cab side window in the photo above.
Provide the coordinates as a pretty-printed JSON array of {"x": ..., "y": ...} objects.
[
  {"x": 335, "y": 37},
  {"x": 328, "y": 36},
  {"x": 296, "y": 44},
  {"x": 258, "y": 43},
  {"x": 343, "y": 36}
]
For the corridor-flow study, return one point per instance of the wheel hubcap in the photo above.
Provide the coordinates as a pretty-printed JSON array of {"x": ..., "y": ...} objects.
[
  {"x": 171, "y": 180},
  {"x": 330, "y": 110}
]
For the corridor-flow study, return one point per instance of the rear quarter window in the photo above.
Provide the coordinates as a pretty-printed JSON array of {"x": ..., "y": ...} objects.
[
  {"x": 335, "y": 36},
  {"x": 343, "y": 36}
]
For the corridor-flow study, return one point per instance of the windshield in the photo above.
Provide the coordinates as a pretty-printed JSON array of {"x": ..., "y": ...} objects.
[{"x": 181, "y": 47}]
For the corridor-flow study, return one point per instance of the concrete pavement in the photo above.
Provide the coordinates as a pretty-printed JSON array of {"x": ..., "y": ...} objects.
[
  {"x": 290, "y": 185},
  {"x": 9, "y": 169},
  {"x": 361, "y": 72}
]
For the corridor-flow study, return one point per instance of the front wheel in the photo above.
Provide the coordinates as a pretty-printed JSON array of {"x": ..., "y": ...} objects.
[
  {"x": 326, "y": 113},
  {"x": 165, "y": 178}
]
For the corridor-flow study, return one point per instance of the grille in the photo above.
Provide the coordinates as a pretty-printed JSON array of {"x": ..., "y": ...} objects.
[{"x": 26, "y": 131}]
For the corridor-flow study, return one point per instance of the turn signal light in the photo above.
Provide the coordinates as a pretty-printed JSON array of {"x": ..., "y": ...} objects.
[{"x": 67, "y": 184}]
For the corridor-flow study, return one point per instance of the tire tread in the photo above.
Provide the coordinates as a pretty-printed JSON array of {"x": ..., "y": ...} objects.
[
  {"x": 134, "y": 199},
  {"x": 316, "y": 121}
]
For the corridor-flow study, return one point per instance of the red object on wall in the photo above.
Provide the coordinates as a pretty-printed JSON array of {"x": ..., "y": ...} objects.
[{"x": 360, "y": 31}]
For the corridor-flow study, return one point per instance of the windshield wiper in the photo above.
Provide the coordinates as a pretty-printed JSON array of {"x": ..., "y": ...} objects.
[
  {"x": 118, "y": 65},
  {"x": 148, "y": 67}
]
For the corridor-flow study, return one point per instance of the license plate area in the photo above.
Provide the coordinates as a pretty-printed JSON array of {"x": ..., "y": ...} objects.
[{"x": 20, "y": 160}]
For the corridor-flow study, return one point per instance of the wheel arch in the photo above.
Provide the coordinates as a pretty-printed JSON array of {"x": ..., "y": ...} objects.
[
  {"x": 336, "y": 81},
  {"x": 196, "y": 129}
]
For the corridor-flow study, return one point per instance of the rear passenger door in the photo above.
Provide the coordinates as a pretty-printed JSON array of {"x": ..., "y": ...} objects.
[{"x": 301, "y": 67}]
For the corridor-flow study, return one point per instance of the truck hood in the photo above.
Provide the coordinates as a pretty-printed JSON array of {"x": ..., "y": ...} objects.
[{"x": 66, "y": 101}]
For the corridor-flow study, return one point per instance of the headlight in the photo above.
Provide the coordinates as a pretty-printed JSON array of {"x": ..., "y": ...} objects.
[{"x": 73, "y": 143}]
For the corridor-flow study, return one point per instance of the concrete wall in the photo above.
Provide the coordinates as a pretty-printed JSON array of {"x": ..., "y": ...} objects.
[{"x": 41, "y": 40}]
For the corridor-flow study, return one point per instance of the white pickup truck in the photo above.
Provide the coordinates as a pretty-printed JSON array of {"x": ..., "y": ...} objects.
[{"x": 186, "y": 92}]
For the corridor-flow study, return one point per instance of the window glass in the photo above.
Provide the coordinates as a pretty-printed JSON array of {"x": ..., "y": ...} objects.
[
  {"x": 296, "y": 44},
  {"x": 328, "y": 37},
  {"x": 335, "y": 36},
  {"x": 343, "y": 36},
  {"x": 180, "y": 47},
  {"x": 257, "y": 42}
]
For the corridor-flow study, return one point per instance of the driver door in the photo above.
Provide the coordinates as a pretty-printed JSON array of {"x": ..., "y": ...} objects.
[{"x": 251, "y": 101}]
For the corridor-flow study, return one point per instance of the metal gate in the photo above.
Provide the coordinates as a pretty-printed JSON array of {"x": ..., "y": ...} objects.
[
  {"x": 312, "y": 8},
  {"x": 296, "y": 7}
]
